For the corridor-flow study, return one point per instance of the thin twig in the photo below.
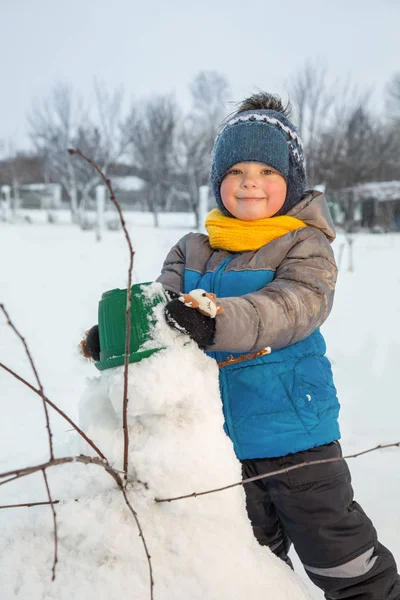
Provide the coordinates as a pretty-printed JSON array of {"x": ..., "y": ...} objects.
[
  {"x": 28, "y": 504},
  {"x": 53, "y": 510},
  {"x": 134, "y": 513},
  {"x": 107, "y": 182},
  {"x": 87, "y": 460},
  {"x": 278, "y": 472},
  {"x": 55, "y": 407},
  {"x": 41, "y": 391}
]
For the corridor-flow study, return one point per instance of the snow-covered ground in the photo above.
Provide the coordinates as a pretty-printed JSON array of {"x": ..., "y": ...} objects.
[{"x": 51, "y": 279}]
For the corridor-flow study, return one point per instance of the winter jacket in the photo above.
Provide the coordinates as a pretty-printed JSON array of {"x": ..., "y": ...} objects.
[{"x": 277, "y": 296}]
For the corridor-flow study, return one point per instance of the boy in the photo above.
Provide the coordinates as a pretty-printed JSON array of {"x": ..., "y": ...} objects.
[{"x": 269, "y": 261}]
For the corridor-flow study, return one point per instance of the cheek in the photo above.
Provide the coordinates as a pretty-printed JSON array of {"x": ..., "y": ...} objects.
[
  {"x": 226, "y": 187},
  {"x": 227, "y": 191},
  {"x": 278, "y": 191},
  {"x": 283, "y": 189},
  {"x": 279, "y": 187}
]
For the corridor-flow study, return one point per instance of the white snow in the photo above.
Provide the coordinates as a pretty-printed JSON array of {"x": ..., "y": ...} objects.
[
  {"x": 51, "y": 280},
  {"x": 378, "y": 190},
  {"x": 128, "y": 183},
  {"x": 200, "y": 548}
]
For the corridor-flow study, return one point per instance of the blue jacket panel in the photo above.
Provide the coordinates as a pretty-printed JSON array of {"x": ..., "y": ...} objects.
[{"x": 280, "y": 403}]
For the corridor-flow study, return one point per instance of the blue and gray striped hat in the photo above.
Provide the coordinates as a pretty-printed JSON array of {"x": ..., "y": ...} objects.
[{"x": 265, "y": 136}]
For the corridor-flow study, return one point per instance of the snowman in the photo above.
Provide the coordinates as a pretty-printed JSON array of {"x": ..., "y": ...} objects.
[{"x": 203, "y": 546}]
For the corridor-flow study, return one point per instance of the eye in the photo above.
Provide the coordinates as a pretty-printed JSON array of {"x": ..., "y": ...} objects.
[
  {"x": 234, "y": 172},
  {"x": 204, "y": 294},
  {"x": 267, "y": 172}
]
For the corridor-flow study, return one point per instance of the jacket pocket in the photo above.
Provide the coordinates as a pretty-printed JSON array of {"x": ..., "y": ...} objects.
[
  {"x": 311, "y": 390},
  {"x": 256, "y": 403}
]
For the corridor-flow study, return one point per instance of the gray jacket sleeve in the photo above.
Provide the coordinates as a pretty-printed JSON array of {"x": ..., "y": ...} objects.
[
  {"x": 288, "y": 309},
  {"x": 173, "y": 269}
]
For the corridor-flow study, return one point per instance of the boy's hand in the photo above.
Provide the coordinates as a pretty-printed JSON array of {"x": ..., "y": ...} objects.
[
  {"x": 199, "y": 327},
  {"x": 90, "y": 346}
]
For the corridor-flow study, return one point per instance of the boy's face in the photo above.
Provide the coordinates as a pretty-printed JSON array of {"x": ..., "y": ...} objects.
[{"x": 253, "y": 190}]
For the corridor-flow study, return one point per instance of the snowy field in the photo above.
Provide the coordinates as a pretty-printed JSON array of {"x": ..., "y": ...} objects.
[{"x": 51, "y": 279}]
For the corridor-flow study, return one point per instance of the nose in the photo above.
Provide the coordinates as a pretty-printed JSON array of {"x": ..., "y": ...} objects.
[{"x": 249, "y": 182}]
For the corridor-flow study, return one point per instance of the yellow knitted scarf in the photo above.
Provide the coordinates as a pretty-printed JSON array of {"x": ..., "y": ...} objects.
[{"x": 236, "y": 235}]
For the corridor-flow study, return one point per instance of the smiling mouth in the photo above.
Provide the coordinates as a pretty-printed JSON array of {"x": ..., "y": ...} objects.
[{"x": 251, "y": 199}]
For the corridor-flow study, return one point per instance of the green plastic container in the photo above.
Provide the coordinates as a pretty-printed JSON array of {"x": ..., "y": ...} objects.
[{"x": 112, "y": 324}]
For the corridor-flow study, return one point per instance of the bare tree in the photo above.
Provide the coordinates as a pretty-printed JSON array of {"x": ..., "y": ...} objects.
[
  {"x": 344, "y": 140},
  {"x": 193, "y": 161},
  {"x": 63, "y": 120},
  {"x": 393, "y": 127},
  {"x": 52, "y": 125},
  {"x": 312, "y": 98},
  {"x": 393, "y": 97},
  {"x": 150, "y": 132},
  {"x": 210, "y": 92},
  {"x": 340, "y": 132}
]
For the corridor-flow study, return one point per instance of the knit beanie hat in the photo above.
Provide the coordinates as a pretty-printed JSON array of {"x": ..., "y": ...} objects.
[{"x": 260, "y": 131}]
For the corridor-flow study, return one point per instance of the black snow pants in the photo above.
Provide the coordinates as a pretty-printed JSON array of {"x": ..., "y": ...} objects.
[{"x": 313, "y": 508}]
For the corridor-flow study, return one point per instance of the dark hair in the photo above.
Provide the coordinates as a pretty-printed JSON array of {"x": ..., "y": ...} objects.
[{"x": 265, "y": 101}]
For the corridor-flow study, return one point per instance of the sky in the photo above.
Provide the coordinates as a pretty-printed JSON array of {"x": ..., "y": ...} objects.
[{"x": 158, "y": 47}]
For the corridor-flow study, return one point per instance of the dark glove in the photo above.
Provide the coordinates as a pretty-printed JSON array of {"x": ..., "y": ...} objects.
[
  {"x": 199, "y": 327},
  {"x": 91, "y": 344},
  {"x": 171, "y": 295}
]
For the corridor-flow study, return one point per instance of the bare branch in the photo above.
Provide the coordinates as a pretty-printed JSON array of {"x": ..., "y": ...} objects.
[
  {"x": 41, "y": 391},
  {"x": 29, "y": 504},
  {"x": 53, "y": 510},
  {"x": 393, "y": 96},
  {"x": 127, "y": 351},
  {"x": 134, "y": 513},
  {"x": 82, "y": 458},
  {"x": 55, "y": 407},
  {"x": 278, "y": 472},
  {"x": 151, "y": 131},
  {"x": 210, "y": 91},
  {"x": 107, "y": 182}
]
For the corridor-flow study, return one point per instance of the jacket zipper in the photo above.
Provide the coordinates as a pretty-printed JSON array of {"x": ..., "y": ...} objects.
[
  {"x": 218, "y": 274},
  {"x": 215, "y": 285}
]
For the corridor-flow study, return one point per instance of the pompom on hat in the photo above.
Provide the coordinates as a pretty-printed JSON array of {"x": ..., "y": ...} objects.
[{"x": 260, "y": 131}]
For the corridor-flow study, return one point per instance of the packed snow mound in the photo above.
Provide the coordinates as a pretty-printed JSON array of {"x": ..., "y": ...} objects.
[{"x": 201, "y": 548}]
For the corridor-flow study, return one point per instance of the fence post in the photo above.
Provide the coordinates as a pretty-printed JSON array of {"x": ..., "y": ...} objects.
[
  {"x": 57, "y": 195},
  {"x": 203, "y": 207},
  {"x": 100, "y": 204},
  {"x": 6, "y": 203}
]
